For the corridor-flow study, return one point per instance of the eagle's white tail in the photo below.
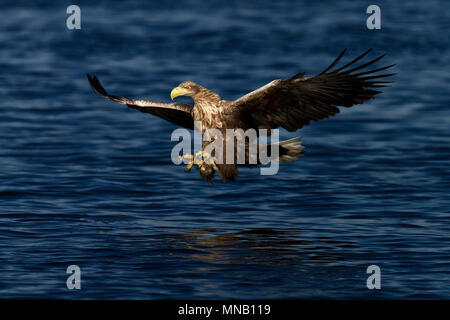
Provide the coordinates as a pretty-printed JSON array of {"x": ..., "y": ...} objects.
[{"x": 290, "y": 150}]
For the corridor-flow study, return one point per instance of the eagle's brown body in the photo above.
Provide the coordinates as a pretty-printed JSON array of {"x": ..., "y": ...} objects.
[
  {"x": 290, "y": 103},
  {"x": 214, "y": 113},
  {"x": 210, "y": 109}
]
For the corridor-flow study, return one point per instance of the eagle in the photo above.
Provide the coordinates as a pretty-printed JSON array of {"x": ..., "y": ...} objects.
[{"x": 289, "y": 103}]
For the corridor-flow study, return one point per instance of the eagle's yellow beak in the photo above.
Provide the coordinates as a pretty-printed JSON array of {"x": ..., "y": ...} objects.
[{"x": 176, "y": 92}]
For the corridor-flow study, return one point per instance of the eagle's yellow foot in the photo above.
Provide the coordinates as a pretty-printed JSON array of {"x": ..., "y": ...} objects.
[
  {"x": 191, "y": 159},
  {"x": 206, "y": 158}
]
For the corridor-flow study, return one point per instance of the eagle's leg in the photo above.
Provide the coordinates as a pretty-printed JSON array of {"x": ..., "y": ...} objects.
[
  {"x": 191, "y": 159},
  {"x": 206, "y": 158}
]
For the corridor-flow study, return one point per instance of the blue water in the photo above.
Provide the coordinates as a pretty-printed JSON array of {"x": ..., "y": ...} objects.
[{"x": 88, "y": 182}]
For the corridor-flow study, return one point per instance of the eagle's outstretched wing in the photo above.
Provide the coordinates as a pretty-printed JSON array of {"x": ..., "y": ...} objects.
[
  {"x": 177, "y": 113},
  {"x": 293, "y": 102}
]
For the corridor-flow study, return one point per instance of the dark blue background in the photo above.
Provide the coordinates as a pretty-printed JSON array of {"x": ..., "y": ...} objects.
[{"x": 88, "y": 182}]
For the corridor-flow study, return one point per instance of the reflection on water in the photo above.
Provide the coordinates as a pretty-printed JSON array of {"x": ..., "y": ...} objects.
[{"x": 282, "y": 263}]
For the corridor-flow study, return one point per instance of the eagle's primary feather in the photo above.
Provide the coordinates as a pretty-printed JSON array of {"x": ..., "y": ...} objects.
[{"x": 294, "y": 102}]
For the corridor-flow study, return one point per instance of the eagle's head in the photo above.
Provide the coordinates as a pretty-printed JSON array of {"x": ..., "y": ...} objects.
[{"x": 186, "y": 88}]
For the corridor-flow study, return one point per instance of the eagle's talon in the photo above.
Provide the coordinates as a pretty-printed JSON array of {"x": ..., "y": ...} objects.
[
  {"x": 191, "y": 159},
  {"x": 189, "y": 166},
  {"x": 206, "y": 158}
]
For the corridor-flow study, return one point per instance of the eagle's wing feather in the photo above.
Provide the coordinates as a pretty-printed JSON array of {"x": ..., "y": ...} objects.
[
  {"x": 177, "y": 113},
  {"x": 293, "y": 102}
]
